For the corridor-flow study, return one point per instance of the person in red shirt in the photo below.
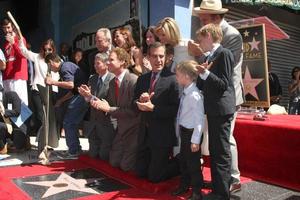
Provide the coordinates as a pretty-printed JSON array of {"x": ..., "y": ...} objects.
[{"x": 16, "y": 73}]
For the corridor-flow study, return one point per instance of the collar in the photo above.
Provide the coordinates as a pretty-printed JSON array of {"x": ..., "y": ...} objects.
[
  {"x": 157, "y": 74},
  {"x": 103, "y": 77},
  {"x": 121, "y": 76},
  {"x": 215, "y": 47},
  {"x": 188, "y": 89}
]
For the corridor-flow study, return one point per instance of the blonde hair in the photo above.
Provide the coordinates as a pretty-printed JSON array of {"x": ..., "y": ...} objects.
[
  {"x": 189, "y": 68},
  {"x": 214, "y": 30},
  {"x": 122, "y": 55},
  {"x": 169, "y": 26}
]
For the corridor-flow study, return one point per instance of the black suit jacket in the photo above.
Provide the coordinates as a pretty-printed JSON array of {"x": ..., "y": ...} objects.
[
  {"x": 218, "y": 89},
  {"x": 97, "y": 116},
  {"x": 160, "y": 122},
  {"x": 11, "y": 97}
]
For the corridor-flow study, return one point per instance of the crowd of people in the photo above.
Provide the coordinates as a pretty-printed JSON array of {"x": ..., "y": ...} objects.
[{"x": 138, "y": 103}]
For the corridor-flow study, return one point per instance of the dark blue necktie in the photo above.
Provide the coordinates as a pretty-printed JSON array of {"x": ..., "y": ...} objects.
[{"x": 99, "y": 85}]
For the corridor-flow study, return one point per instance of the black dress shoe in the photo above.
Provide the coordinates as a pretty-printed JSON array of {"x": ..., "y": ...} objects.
[
  {"x": 195, "y": 196},
  {"x": 179, "y": 191}
]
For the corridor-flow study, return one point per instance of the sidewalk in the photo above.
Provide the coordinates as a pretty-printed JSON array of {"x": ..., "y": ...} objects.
[{"x": 31, "y": 156}]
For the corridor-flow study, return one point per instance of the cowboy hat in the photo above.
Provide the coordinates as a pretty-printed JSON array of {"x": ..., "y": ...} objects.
[{"x": 209, "y": 7}]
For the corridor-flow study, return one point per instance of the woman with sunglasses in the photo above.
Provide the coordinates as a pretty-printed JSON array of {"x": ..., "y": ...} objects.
[{"x": 40, "y": 72}]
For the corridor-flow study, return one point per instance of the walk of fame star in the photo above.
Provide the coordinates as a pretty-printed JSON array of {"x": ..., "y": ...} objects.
[
  {"x": 254, "y": 44},
  {"x": 68, "y": 185},
  {"x": 63, "y": 183},
  {"x": 250, "y": 84}
]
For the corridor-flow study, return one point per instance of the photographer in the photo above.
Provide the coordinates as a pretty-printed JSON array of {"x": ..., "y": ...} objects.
[{"x": 294, "y": 92}]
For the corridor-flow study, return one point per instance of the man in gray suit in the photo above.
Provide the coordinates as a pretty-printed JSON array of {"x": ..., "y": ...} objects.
[
  {"x": 99, "y": 129},
  {"x": 119, "y": 106},
  {"x": 211, "y": 11}
]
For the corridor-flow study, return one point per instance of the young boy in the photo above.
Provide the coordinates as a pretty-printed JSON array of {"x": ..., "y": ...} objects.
[{"x": 190, "y": 122}]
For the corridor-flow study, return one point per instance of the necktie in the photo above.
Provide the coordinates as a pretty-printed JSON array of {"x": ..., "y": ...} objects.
[
  {"x": 117, "y": 84},
  {"x": 208, "y": 58},
  {"x": 178, "y": 113},
  {"x": 99, "y": 85},
  {"x": 152, "y": 82}
]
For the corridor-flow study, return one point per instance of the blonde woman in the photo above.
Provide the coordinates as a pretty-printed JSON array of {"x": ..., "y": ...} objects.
[{"x": 168, "y": 32}]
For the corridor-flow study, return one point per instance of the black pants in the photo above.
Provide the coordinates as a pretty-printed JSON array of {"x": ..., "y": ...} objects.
[
  {"x": 220, "y": 155},
  {"x": 37, "y": 110},
  {"x": 155, "y": 163},
  {"x": 189, "y": 162},
  {"x": 18, "y": 137}
]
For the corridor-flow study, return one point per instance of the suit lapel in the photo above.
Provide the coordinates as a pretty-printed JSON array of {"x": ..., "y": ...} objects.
[
  {"x": 124, "y": 85},
  {"x": 216, "y": 54},
  {"x": 94, "y": 80},
  {"x": 104, "y": 84}
]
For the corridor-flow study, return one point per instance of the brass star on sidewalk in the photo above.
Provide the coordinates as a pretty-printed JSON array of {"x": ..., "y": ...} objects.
[{"x": 63, "y": 183}]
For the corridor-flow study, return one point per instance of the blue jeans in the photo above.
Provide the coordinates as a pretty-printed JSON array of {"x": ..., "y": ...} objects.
[{"x": 74, "y": 115}]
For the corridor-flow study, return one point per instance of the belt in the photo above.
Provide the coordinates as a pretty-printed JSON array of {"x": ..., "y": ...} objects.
[{"x": 186, "y": 129}]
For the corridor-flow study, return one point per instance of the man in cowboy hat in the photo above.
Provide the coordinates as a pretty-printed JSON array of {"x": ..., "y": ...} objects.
[{"x": 211, "y": 11}]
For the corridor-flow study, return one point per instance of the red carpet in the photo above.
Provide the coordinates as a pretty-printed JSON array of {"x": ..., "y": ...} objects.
[{"x": 141, "y": 189}]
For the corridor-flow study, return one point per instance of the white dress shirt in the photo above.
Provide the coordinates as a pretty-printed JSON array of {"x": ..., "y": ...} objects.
[{"x": 191, "y": 110}]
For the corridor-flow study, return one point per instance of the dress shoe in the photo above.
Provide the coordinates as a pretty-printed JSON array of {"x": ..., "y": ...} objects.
[
  {"x": 180, "y": 190},
  {"x": 195, "y": 196},
  {"x": 235, "y": 187}
]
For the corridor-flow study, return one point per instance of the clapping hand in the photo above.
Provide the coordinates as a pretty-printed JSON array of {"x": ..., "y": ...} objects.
[
  {"x": 100, "y": 104},
  {"x": 145, "y": 106},
  {"x": 145, "y": 97},
  {"x": 204, "y": 66},
  {"x": 194, "y": 49},
  {"x": 84, "y": 91}
]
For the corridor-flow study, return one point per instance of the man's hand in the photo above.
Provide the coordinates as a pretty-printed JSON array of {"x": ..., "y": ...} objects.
[
  {"x": 10, "y": 38},
  {"x": 146, "y": 106},
  {"x": 195, "y": 147},
  {"x": 145, "y": 97},
  {"x": 204, "y": 66},
  {"x": 194, "y": 49},
  {"x": 49, "y": 80},
  {"x": 100, "y": 104},
  {"x": 85, "y": 91}
]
